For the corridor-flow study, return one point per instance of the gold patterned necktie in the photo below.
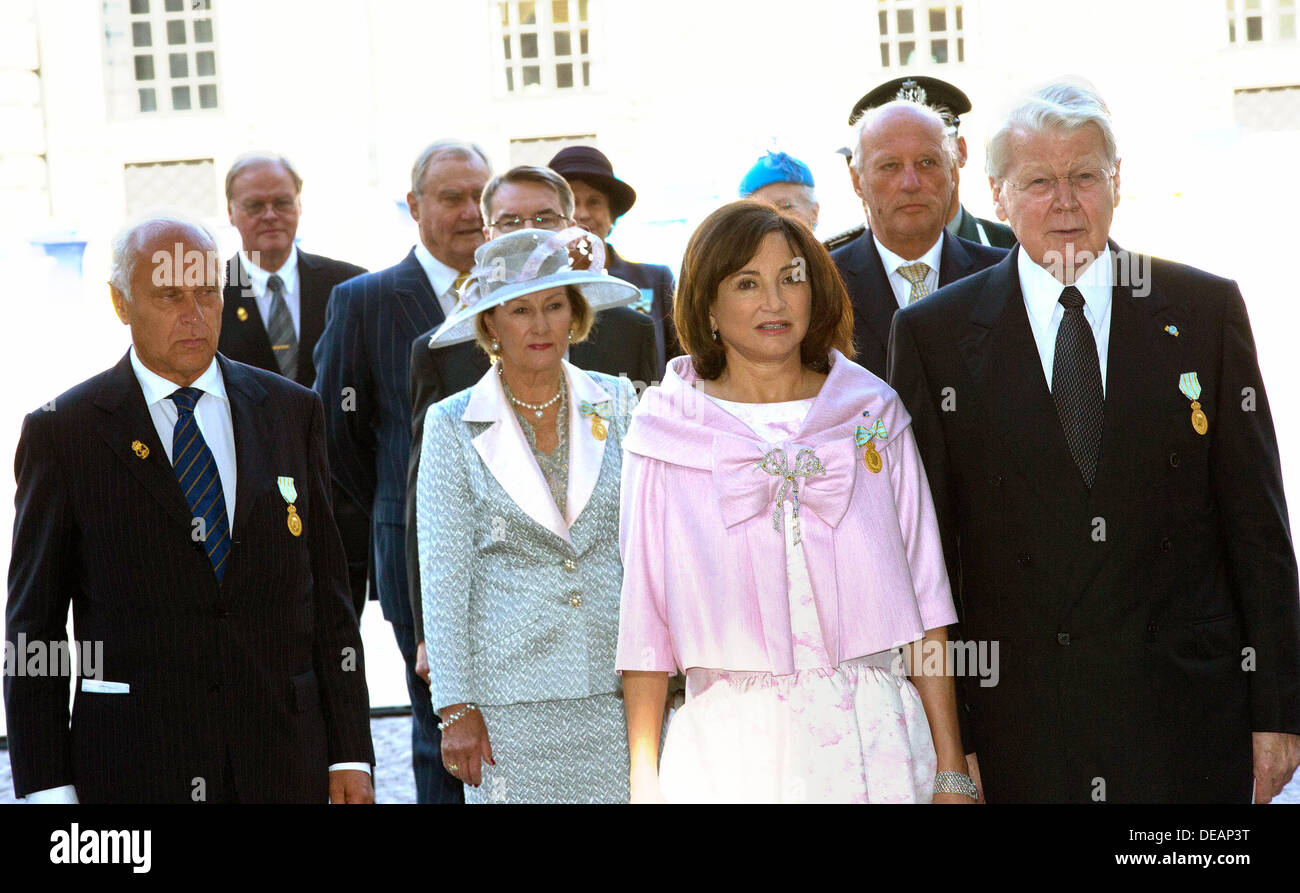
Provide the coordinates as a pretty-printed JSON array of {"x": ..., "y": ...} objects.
[
  {"x": 915, "y": 274},
  {"x": 457, "y": 287}
]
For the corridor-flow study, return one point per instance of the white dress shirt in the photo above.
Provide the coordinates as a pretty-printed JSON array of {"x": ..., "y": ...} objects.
[
  {"x": 903, "y": 288},
  {"x": 212, "y": 413},
  {"x": 257, "y": 278},
  {"x": 1042, "y": 294},
  {"x": 441, "y": 277}
]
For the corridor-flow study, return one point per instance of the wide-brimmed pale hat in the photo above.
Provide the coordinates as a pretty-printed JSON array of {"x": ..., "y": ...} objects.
[{"x": 531, "y": 260}]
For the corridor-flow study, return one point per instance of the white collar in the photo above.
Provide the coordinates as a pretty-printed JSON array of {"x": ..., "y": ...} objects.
[
  {"x": 1042, "y": 290},
  {"x": 440, "y": 276},
  {"x": 288, "y": 271},
  {"x": 893, "y": 261},
  {"x": 157, "y": 389}
]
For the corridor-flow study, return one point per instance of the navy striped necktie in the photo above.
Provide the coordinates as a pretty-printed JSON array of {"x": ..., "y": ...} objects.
[{"x": 196, "y": 469}]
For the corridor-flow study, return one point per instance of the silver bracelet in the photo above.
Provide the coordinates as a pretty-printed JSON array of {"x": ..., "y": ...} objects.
[
  {"x": 949, "y": 782},
  {"x": 457, "y": 715}
]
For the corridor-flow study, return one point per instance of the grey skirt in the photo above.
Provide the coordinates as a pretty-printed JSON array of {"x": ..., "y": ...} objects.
[{"x": 572, "y": 751}]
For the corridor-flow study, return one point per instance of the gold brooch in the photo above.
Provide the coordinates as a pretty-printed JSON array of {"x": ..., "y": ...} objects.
[{"x": 140, "y": 449}]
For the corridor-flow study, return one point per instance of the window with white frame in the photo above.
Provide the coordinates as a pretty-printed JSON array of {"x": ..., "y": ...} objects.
[
  {"x": 190, "y": 187},
  {"x": 167, "y": 50},
  {"x": 1261, "y": 21},
  {"x": 914, "y": 32},
  {"x": 545, "y": 44}
]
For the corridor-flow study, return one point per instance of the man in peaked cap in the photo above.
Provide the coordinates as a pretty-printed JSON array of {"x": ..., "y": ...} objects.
[
  {"x": 783, "y": 181},
  {"x": 952, "y": 103}
]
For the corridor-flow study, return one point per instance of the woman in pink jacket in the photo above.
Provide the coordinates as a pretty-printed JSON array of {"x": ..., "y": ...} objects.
[{"x": 780, "y": 547}]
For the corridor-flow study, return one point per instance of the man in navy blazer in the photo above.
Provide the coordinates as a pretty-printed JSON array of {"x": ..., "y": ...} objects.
[
  {"x": 363, "y": 377},
  {"x": 902, "y": 169},
  {"x": 179, "y": 503}
]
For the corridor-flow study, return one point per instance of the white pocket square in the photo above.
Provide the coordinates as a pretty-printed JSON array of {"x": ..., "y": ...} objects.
[{"x": 100, "y": 687}]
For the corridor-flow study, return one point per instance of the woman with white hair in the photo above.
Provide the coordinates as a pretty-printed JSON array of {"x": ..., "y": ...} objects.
[{"x": 518, "y": 498}]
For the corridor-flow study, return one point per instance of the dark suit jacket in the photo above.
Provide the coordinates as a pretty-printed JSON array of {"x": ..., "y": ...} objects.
[
  {"x": 620, "y": 343},
  {"x": 1121, "y": 613},
  {"x": 999, "y": 234},
  {"x": 873, "y": 300},
  {"x": 246, "y": 340},
  {"x": 660, "y": 279},
  {"x": 248, "y": 674}
]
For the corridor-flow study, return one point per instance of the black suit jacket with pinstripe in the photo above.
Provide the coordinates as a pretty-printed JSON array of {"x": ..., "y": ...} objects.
[{"x": 257, "y": 681}]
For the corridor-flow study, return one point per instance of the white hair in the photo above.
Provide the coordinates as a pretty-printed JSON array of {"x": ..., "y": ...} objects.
[
  {"x": 439, "y": 150},
  {"x": 875, "y": 114},
  {"x": 130, "y": 239},
  {"x": 257, "y": 159},
  {"x": 1060, "y": 106}
]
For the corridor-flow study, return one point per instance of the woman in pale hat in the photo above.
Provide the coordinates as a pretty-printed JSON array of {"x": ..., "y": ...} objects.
[{"x": 518, "y": 533}]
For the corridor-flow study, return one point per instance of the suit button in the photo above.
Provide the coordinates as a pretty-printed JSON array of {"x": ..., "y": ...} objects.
[
  {"x": 1151, "y": 630},
  {"x": 1166, "y": 546},
  {"x": 1173, "y": 460},
  {"x": 570, "y": 565},
  {"x": 1063, "y": 638},
  {"x": 576, "y": 600},
  {"x": 1023, "y": 559}
]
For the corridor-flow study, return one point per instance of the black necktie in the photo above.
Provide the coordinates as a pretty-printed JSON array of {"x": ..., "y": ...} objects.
[{"x": 1076, "y": 385}]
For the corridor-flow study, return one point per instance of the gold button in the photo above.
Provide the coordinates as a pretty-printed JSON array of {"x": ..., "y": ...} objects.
[
  {"x": 569, "y": 565},
  {"x": 575, "y": 600}
]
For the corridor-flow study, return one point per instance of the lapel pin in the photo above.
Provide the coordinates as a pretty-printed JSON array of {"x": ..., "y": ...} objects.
[
  {"x": 242, "y": 314},
  {"x": 290, "y": 494},
  {"x": 140, "y": 449},
  {"x": 1172, "y": 330},
  {"x": 1190, "y": 385}
]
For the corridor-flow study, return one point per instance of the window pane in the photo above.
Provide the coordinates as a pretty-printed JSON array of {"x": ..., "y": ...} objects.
[
  {"x": 559, "y": 11},
  {"x": 205, "y": 64},
  {"x": 905, "y": 21},
  {"x": 528, "y": 46},
  {"x": 582, "y": 41},
  {"x": 144, "y": 68},
  {"x": 906, "y": 52},
  {"x": 961, "y": 49},
  {"x": 564, "y": 75},
  {"x": 958, "y": 11},
  {"x": 148, "y": 100},
  {"x": 180, "y": 99},
  {"x": 180, "y": 65},
  {"x": 532, "y": 75},
  {"x": 1252, "y": 4},
  {"x": 527, "y": 13},
  {"x": 1286, "y": 26},
  {"x": 506, "y": 41},
  {"x": 141, "y": 34},
  {"x": 884, "y": 55},
  {"x": 884, "y": 30},
  {"x": 1232, "y": 31},
  {"x": 938, "y": 20},
  {"x": 139, "y": 7},
  {"x": 1255, "y": 28},
  {"x": 505, "y": 14},
  {"x": 1229, "y": 5},
  {"x": 563, "y": 43},
  {"x": 938, "y": 51},
  {"x": 582, "y": 10},
  {"x": 176, "y": 31},
  {"x": 586, "y": 74},
  {"x": 510, "y": 80},
  {"x": 174, "y": 5},
  {"x": 207, "y": 96},
  {"x": 203, "y": 30}
]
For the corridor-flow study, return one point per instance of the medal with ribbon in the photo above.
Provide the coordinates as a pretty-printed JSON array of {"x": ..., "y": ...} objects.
[
  {"x": 1191, "y": 388},
  {"x": 599, "y": 413},
  {"x": 866, "y": 436},
  {"x": 777, "y": 463},
  {"x": 290, "y": 494}
]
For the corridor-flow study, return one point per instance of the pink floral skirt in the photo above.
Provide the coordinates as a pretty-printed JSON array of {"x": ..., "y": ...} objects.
[{"x": 852, "y": 734}]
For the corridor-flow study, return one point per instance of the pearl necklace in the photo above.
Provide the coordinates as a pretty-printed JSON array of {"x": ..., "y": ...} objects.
[{"x": 537, "y": 408}]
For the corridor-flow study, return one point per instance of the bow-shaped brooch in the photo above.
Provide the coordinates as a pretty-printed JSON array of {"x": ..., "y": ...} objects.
[
  {"x": 776, "y": 463},
  {"x": 596, "y": 412},
  {"x": 866, "y": 436}
]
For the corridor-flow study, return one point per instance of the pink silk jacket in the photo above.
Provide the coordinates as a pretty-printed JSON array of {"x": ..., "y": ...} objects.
[{"x": 704, "y": 567}]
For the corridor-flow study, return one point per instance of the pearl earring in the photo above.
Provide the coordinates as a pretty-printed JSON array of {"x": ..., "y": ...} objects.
[
  {"x": 570, "y": 335},
  {"x": 496, "y": 347}
]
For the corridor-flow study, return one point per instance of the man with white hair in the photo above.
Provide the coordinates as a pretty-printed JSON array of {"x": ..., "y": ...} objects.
[
  {"x": 1107, "y": 482},
  {"x": 179, "y": 503},
  {"x": 902, "y": 168}
]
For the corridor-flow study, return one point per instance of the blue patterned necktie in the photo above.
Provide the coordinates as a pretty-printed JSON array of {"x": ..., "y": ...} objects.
[{"x": 196, "y": 469}]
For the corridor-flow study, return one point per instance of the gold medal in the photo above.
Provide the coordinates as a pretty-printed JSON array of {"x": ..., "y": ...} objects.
[
  {"x": 871, "y": 459},
  {"x": 242, "y": 314},
  {"x": 598, "y": 428},
  {"x": 295, "y": 523},
  {"x": 1199, "y": 422}
]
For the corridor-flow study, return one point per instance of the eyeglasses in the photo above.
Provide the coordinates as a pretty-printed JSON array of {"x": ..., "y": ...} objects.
[
  {"x": 1082, "y": 182},
  {"x": 545, "y": 220},
  {"x": 257, "y": 209}
]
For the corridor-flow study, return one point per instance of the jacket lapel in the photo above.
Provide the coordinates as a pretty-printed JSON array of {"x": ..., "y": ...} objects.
[
  {"x": 876, "y": 304},
  {"x": 504, "y": 450},
  {"x": 252, "y": 442},
  {"x": 416, "y": 307},
  {"x": 127, "y": 420},
  {"x": 247, "y": 328},
  {"x": 312, "y": 299},
  {"x": 954, "y": 261},
  {"x": 586, "y": 451}
]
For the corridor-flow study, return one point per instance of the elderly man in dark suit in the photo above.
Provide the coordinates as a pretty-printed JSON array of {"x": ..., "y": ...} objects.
[
  {"x": 179, "y": 502},
  {"x": 621, "y": 342},
  {"x": 902, "y": 168},
  {"x": 1107, "y": 483},
  {"x": 275, "y": 301},
  {"x": 363, "y": 377}
]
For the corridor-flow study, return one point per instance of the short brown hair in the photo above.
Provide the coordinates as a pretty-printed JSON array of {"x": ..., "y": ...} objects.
[
  {"x": 527, "y": 173},
  {"x": 583, "y": 319},
  {"x": 726, "y": 241}
]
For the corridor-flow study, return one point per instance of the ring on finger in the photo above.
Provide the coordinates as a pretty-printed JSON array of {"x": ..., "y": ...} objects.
[{"x": 452, "y": 767}]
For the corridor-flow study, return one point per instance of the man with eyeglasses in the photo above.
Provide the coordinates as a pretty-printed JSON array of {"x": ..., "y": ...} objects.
[
  {"x": 1107, "y": 483},
  {"x": 274, "y": 311}
]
